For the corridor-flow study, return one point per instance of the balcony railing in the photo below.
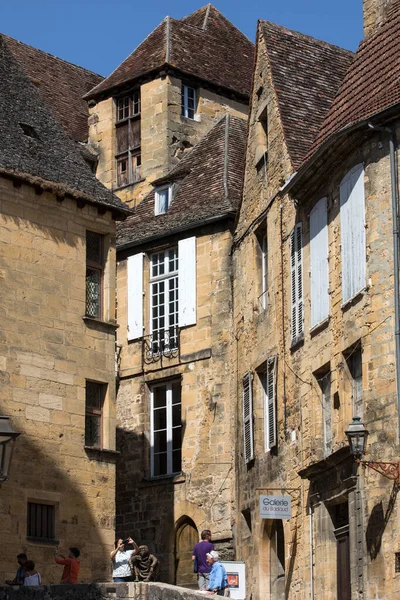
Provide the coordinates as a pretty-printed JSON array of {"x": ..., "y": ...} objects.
[{"x": 163, "y": 343}]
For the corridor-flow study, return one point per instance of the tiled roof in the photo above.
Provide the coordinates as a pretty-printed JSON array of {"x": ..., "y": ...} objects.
[
  {"x": 372, "y": 83},
  {"x": 306, "y": 75},
  {"x": 207, "y": 184},
  {"x": 35, "y": 148},
  {"x": 203, "y": 45},
  {"x": 61, "y": 84}
]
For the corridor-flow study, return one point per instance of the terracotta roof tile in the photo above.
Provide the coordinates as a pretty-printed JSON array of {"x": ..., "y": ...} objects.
[
  {"x": 204, "y": 45},
  {"x": 35, "y": 148},
  {"x": 208, "y": 184},
  {"x": 372, "y": 83},
  {"x": 306, "y": 74},
  {"x": 61, "y": 84}
]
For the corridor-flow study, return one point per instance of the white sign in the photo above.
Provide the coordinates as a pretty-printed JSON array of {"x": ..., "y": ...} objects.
[
  {"x": 236, "y": 571},
  {"x": 275, "y": 507}
]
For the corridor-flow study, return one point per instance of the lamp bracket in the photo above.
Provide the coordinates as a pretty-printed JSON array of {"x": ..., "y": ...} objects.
[{"x": 390, "y": 470}]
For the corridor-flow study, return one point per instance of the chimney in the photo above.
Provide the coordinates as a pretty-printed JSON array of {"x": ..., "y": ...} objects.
[{"x": 375, "y": 12}]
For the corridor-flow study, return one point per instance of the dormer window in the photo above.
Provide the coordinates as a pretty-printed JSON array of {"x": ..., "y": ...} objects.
[
  {"x": 188, "y": 102},
  {"x": 127, "y": 152},
  {"x": 163, "y": 199}
]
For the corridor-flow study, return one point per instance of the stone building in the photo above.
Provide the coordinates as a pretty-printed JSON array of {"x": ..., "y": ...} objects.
[
  {"x": 314, "y": 314},
  {"x": 57, "y": 367},
  {"x": 169, "y": 127}
]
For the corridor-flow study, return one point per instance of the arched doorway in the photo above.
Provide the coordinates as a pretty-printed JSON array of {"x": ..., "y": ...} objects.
[{"x": 185, "y": 539}]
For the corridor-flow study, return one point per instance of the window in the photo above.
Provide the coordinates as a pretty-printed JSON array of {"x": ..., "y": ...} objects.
[
  {"x": 95, "y": 394},
  {"x": 188, "y": 102},
  {"x": 248, "y": 432},
  {"x": 163, "y": 199},
  {"x": 296, "y": 268},
  {"x": 264, "y": 271},
  {"x": 268, "y": 378},
  {"x": 261, "y": 154},
  {"x": 41, "y": 521},
  {"x": 94, "y": 273},
  {"x": 352, "y": 225},
  {"x": 166, "y": 429},
  {"x": 324, "y": 382},
  {"x": 164, "y": 300},
  {"x": 354, "y": 363},
  {"x": 128, "y": 155},
  {"x": 319, "y": 272}
]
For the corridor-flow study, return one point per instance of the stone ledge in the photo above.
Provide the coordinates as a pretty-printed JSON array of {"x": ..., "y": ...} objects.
[{"x": 100, "y": 591}]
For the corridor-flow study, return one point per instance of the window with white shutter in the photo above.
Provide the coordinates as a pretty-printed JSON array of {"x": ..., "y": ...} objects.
[
  {"x": 319, "y": 272},
  {"x": 269, "y": 387},
  {"x": 352, "y": 225},
  {"x": 296, "y": 273},
  {"x": 248, "y": 432},
  {"x": 187, "y": 281},
  {"x": 135, "y": 295}
]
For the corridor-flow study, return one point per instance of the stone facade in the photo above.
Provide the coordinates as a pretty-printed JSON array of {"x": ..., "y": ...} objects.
[
  {"x": 375, "y": 12},
  {"x": 165, "y": 134},
  {"x": 167, "y": 513},
  {"x": 351, "y": 512},
  {"x": 47, "y": 352}
]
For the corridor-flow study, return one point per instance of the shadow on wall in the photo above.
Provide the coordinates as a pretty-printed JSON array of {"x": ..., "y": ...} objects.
[
  {"x": 377, "y": 524},
  {"x": 42, "y": 473},
  {"x": 144, "y": 507}
]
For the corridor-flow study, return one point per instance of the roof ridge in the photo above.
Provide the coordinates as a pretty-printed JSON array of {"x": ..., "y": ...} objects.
[
  {"x": 206, "y": 15},
  {"x": 304, "y": 36},
  {"x": 4, "y": 35},
  {"x": 168, "y": 39}
]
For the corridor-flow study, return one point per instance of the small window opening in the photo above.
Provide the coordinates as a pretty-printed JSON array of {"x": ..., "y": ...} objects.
[{"x": 397, "y": 562}]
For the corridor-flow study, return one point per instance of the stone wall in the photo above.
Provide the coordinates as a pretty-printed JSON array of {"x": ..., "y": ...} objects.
[
  {"x": 100, "y": 591},
  {"x": 47, "y": 351},
  {"x": 165, "y": 134},
  {"x": 154, "y": 511},
  {"x": 374, "y": 14}
]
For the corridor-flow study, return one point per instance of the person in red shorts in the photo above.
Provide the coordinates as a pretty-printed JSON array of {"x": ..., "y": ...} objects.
[{"x": 71, "y": 565}]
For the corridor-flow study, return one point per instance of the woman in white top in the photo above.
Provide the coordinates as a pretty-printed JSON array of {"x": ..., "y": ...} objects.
[
  {"x": 120, "y": 559},
  {"x": 32, "y": 577}
]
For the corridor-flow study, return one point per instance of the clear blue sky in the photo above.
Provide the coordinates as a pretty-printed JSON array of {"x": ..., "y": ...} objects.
[{"x": 99, "y": 34}]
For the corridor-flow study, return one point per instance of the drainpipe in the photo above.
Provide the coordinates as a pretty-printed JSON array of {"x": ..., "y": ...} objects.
[
  {"x": 310, "y": 516},
  {"x": 396, "y": 245}
]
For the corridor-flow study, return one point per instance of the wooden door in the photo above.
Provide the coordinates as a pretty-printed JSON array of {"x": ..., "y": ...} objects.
[
  {"x": 186, "y": 539},
  {"x": 343, "y": 563}
]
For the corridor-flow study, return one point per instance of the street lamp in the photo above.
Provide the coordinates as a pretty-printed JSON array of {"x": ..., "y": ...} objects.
[
  {"x": 357, "y": 436},
  {"x": 7, "y": 440}
]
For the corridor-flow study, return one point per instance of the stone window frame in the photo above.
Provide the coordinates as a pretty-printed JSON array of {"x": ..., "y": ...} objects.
[
  {"x": 129, "y": 158},
  {"x": 95, "y": 266},
  {"x": 96, "y": 412},
  {"x": 186, "y": 111},
  {"x": 35, "y": 531},
  {"x": 169, "y": 384}
]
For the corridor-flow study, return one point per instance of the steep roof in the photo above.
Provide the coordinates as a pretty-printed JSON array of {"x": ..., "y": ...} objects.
[
  {"x": 204, "y": 45},
  {"x": 35, "y": 148},
  {"x": 61, "y": 84},
  {"x": 306, "y": 75},
  {"x": 208, "y": 184},
  {"x": 372, "y": 83}
]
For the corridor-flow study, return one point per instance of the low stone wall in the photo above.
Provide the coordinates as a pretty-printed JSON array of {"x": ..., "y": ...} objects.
[{"x": 100, "y": 591}]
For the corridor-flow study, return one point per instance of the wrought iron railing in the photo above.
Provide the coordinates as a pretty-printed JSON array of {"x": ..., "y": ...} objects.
[{"x": 163, "y": 343}]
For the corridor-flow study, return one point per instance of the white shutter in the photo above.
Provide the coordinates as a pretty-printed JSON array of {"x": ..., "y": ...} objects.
[
  {"x": 187, "y": 282},
  {"x": 248, "y": 433},
  {"x": 352, "y": 225},
  {"x": 270, "y": 425},
  {"x": 296, "y": 268},
  {"x": 319, "y": 271},
  {"x": 135, "y": 296}
]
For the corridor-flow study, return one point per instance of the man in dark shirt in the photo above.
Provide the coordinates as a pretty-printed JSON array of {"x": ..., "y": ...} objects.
[
  {"x": 19, "y": 577},
  {"x": 200, "y": 552}
]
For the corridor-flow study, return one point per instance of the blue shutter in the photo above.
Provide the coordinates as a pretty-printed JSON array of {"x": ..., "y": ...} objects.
[
  {"x": 352, "y": 225},
  {"x": 319, "y": 270}
]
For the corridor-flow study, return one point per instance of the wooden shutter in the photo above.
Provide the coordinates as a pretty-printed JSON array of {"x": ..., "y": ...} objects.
[
  {"x": 187, "y": 281},
  {"x": 135, "y": 296},
  {"x": 270, "y": 425},
  {"x": 352, "y": 225},
  {"x": 296, "y": 268},
  {"x": 319, "y": 271},
  {"x": 248, "y": 432}
]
